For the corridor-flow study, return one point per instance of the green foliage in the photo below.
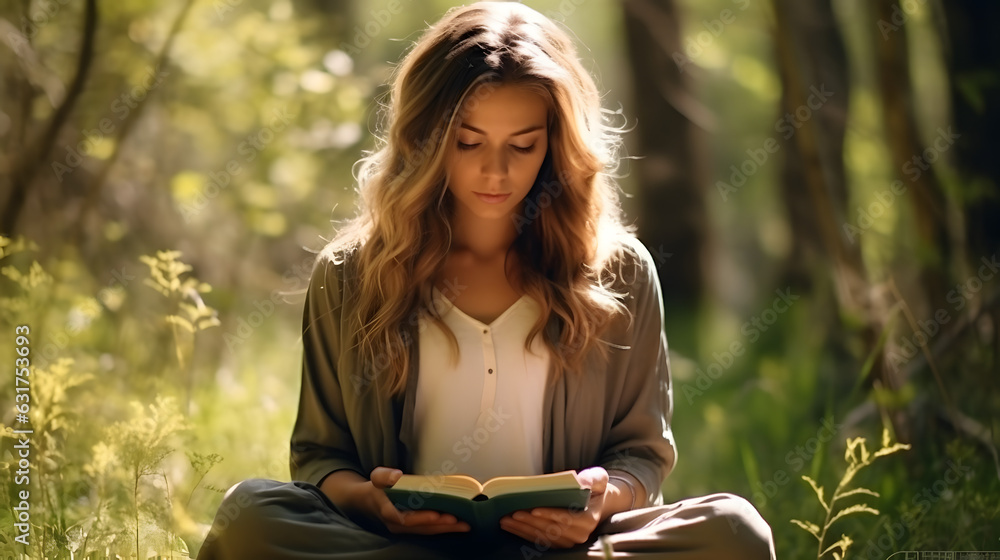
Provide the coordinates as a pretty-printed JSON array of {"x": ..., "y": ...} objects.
[
  {"x": 858, "y": 457},
  {"x": 189, "y": 314},
  {"x": 140, "y": 444},
  {"x": 30, "y": 282},
  {"x": 121, "y": 361},
  {"x": 105, "y": 473}
]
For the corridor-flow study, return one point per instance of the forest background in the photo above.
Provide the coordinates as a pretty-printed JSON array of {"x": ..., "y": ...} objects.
[{"x": 816, "y": 179}]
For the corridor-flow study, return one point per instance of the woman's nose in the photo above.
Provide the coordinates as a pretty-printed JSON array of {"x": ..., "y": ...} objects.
[{"x": 495, "y": 163}]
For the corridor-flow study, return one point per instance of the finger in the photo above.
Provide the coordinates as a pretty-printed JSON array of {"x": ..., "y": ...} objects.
[
  {"x": 600, "y": 482},
  {"x": 536, "y": 522},
  {"x": 428, "y": 517},
  {"x": 556, "y": 514},
  {"x": 389, "y": 513},
  {"x": 564, "y": 528},
  {"x": 550, "y": 536},
  {"x": 522, "y": 530},
  {"x": 595, "y": 478},
  {"x": 461, "y": 527},
  {"x": 386, "y": 510},
  {"x": 447, "y": 518},
  {"x": 383, "y": 477}
]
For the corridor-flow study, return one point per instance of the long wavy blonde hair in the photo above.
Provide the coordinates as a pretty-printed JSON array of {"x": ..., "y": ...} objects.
[{"x": 401, "y": 237}]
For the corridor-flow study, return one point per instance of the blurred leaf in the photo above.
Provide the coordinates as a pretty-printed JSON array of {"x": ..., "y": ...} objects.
[
  {"x": 811, "y": 528},
  {"x": 818, "y": 490}
]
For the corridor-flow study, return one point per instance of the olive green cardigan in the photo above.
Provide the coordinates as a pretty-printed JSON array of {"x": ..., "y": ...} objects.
[{"x": 615, "y": 415}]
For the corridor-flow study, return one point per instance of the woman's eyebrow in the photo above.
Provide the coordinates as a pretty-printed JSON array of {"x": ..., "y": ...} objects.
[{"x": 518, "y": 133}]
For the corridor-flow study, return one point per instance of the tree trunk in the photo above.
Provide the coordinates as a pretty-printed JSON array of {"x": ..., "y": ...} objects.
[
  {"x": 26, "y": 162},
  {"x": 815, "y": 92},
  {"x": 908, "y": 153},
  {"x": 809, "y": 29},
  {"x": 672, "y": 213},
  {"x": 972, "y": 52}
]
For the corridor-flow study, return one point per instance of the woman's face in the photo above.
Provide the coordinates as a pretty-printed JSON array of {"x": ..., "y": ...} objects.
[{"x": 500, "y": 143}]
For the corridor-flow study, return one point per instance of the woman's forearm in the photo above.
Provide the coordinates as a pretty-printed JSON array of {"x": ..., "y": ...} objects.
[
  {"x": 339, "y": 486},
  {"x": 621, "y": 496}
]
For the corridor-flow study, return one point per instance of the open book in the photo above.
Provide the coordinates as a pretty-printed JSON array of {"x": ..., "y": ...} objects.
[{"x": 482, "y": 505}]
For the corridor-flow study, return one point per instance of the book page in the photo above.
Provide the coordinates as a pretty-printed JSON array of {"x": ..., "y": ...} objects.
[
  {"x": 510, "y": 484},
  {"x": 459, "y": 485}
]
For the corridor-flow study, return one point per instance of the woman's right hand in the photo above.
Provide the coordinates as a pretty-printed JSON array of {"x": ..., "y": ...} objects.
[{"x": 370, "y": 501}]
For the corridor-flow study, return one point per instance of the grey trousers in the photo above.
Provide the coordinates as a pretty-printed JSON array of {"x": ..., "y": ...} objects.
[{"x": 267, "y": 519}]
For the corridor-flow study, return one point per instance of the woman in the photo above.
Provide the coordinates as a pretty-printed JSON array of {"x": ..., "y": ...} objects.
[{"x": 487, "y": 313}]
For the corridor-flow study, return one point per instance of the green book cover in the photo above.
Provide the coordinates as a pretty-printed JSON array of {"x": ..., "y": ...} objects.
[{"x": 482, "y": 506}]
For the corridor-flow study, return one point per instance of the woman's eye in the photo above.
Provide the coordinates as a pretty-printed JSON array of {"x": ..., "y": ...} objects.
[
  {"x": 525, "y": 149},
  {"x": 464, "y": 146}
]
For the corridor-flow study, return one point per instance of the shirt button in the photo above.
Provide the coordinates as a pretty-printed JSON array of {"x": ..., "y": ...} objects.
[
  {"x": 491, "y": 370},
  {"x": 485, "y": 331}
]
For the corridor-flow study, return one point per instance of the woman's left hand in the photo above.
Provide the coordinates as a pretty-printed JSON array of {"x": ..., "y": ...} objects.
[{"x": 560, "y": 527}]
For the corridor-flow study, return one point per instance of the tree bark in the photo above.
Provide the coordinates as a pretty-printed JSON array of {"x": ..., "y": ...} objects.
[
  {"x": 672, "y": 212},
  {"x": 30, "y": 160},
  {"x": 903, "y": 138},
  {"x": 813, "y": 65},
  {"x": 813, "y": 186},
  {"x": 972, "y": 49}
]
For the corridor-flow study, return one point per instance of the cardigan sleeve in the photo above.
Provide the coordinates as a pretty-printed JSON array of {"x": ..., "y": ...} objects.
[
  {"x": 640, "y": 441},
  {"x": 322, "y": 441}
]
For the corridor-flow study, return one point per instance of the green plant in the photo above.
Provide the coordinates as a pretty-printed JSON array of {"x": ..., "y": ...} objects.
[
  {"x": 857, "y": 457},
  {"x": 142, "y": 443},
  {"x": 29, "y": 282},
  {"x": 105, "y": 477},
  {"x": 166, "y": 271}
]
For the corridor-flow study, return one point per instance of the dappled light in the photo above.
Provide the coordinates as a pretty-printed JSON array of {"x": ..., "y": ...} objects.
[{"x": 816, "y": 182}]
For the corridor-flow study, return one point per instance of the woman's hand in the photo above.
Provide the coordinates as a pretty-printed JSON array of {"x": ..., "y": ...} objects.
[
  {"x": 559, "y": 527},
  {"x": 369, "y": 500}
]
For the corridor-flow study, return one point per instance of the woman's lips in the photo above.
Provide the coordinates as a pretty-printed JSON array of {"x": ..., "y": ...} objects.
[{"x": 492, "y": 198}]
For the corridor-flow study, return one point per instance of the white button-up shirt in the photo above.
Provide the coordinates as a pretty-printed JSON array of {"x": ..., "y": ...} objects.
[{"x": 481, "y": 416}]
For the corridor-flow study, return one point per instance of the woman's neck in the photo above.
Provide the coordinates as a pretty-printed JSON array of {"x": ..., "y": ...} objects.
[{"x": 485, "y": 239}]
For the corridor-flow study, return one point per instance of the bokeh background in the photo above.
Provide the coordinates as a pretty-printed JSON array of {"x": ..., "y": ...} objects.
[{"x": 816, "y": 179}]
